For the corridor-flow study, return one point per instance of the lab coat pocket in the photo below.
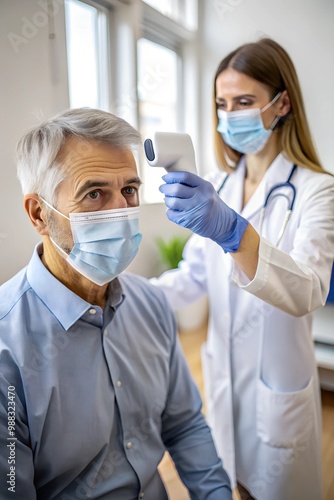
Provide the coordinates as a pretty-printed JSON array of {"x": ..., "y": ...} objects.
[{"x": 284, "y": 419}]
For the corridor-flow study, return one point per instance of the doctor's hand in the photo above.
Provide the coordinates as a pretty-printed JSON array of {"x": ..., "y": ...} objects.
[{"x": 193, "y": 203}]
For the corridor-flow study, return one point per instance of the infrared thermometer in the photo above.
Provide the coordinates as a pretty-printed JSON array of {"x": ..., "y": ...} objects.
[{"x": 171, "y": 150}]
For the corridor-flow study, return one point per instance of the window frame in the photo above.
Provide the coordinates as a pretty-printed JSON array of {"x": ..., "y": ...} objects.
[
  {"x": 102, "y": 53},
  {"x": 165, "y": 31},
  {"x": 127, "y": 22},
  {"x": 180, "y": 80}
]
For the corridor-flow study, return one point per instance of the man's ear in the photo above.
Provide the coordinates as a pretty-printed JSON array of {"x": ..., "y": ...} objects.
[
  {"x": 33, "y": 205},
  {"x": 283, "y": 104}
]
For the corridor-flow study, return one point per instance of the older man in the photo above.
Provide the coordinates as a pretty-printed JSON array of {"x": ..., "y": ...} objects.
[{"x": 94, "y": 387}]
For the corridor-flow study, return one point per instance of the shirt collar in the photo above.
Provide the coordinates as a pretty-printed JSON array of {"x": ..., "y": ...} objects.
[
  {"x": 64, "y": 304},
  {"x": 115, "y": 294}
]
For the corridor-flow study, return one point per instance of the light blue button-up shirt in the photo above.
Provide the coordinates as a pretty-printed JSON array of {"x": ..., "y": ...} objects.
[{"x": 98, "y": 395}]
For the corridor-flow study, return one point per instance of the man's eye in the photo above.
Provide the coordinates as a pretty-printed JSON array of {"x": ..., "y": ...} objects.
[
  {"x": 93, "y": 195},
  {"x": 129, "y": 190}
]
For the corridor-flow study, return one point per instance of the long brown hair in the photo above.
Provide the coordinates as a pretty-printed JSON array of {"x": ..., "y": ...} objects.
[{"x": 268, "y": 63}]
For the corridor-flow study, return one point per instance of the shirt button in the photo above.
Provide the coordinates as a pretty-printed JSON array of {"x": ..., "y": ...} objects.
[
  {"x": 105, "y": 333},
  {"x": 129, "y": 445},
  {"x": 141, "y": 495},
  {"x": 92, "y": 311},
  {"x": 118, "y": 383}
]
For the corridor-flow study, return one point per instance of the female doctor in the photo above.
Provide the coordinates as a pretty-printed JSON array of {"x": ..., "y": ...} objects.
[{"x": 263, "y": 252}]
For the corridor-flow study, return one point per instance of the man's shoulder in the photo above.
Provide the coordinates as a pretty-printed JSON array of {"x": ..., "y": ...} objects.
[
  {"x": 12, "y": 292},
  {"x": 134, "y": 281},
  {"x": 141, "y": 288},
  {"x": 146, "y": 302}
]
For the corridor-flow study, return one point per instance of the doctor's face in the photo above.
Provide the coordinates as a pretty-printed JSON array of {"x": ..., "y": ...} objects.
[{"x": 236, "y": 91}]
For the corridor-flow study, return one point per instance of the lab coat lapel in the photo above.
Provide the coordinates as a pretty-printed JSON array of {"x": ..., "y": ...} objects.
[
  {"x": 233, "y": 191},
  {"x": 278, "y": 172},
  {"x": 256, "y": 202}
]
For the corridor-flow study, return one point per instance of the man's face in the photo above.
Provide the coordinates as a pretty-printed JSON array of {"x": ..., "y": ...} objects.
[{"x": 99, "y": 177}]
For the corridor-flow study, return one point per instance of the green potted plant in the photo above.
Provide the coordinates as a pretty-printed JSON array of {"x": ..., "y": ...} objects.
[{"x": 171, "y": 251}]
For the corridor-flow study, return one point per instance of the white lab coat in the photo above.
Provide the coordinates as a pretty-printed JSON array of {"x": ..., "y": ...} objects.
[{"x": 261, "y": 383}]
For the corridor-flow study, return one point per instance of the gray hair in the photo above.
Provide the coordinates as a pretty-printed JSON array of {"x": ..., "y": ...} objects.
[{"x": 38, "y": 167}]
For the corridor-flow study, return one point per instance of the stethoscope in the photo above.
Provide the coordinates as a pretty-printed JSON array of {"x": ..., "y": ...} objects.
[{"x": 273, "y": 193}]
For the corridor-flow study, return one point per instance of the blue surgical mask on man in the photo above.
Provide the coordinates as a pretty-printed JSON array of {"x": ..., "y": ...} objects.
[
  {"x": 105, "y": 242},
  {"x": 243, "y": 130}
]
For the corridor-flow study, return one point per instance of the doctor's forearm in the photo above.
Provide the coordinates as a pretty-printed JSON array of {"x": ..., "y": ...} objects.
[{"x": 247, "y": 255}]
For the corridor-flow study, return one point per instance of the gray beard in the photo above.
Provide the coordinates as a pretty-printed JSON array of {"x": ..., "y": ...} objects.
[{"x": 63, "y": 237}]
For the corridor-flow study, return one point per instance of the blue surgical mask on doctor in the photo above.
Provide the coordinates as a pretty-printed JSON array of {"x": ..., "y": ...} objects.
[
  {"x": 105, "y": 242},
  {"x": 243, "y": 130}
]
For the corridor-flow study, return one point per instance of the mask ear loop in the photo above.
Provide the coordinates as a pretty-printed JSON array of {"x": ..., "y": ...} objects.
[
  {"x": 53, "y": 208},
  {"x": 277, "y": 96},
  {"x": 274, "y": 123},
  {"x": 59, "y": 248}
]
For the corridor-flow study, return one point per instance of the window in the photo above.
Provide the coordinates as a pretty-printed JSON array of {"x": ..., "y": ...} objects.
[
  {"x": 87, "y": 42},
  {"x": 167, "y": 85},
  {"x": 144, "y": 86},
  {"x": 166, "y": 7},
  {"x": 158, "y": 78},
  {"x": 182, "y": 11}
]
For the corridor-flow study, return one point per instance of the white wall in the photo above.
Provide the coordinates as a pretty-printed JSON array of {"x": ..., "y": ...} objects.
[
  {"x": 303, "y": 27},
  {"x": 33, "y": 87}
]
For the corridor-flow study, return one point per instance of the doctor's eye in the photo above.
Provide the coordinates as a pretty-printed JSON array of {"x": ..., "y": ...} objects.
[
  {"x": 221, "y": 104},
  {"x": 245, "y": 102}
]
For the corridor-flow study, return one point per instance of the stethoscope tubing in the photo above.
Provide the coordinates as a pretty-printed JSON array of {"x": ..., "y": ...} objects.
[{"x": 272, "y": 194}]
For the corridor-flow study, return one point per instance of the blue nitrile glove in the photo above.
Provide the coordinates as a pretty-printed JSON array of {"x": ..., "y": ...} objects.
[{"x": 193, "y": 203}]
